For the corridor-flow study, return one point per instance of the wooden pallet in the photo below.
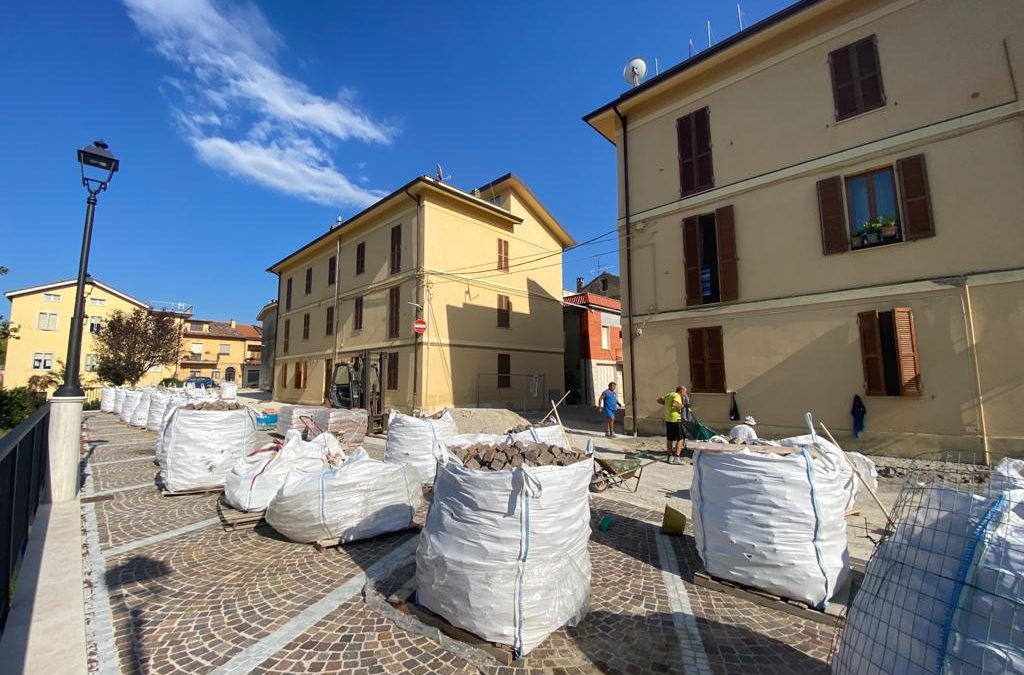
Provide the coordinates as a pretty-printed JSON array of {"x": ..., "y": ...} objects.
[
  {"x": 324, "y": 544},
  {"x": 404, "y": 600},
  {"x": 233, "y": 519},
  {"x": 197, "y": 491},
  {"x": 766, "y": 599}
]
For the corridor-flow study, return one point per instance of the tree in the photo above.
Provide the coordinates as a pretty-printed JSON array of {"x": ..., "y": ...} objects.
[
  {"x": 7, "y": 331},
  {"x": 128, "y": 345}
]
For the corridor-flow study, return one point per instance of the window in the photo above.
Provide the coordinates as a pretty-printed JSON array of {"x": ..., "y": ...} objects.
[
  {"x": 195, "y": 326},
  {"x": 224, "y": 349},
  {"x": 98, "y": 301},
  {"x": 330, "y": 321},
  {"x": 360, "y": 257},
  {"x": 194, "y": 373},
  {"x": 606, "y": 342},
  {"x": 604, "y": 285},
  {"x": 392, "y": 383},
  {"x": 394, "y": 307},
  {"x": 328, "y": 377},
  {"x": 42, "y": 361},
  {"x": 215, "y": 374},
  {"x": 90, "y": 363},
  {"x": 300, "y": 375},
  {"x": 396, "y": 249},
  {"x": 709, "y": 257},
  {"x": 305, "y": 326},
  {"x": 875, "y": 212},
  {"x": 51, "y": 297},
  {"x": 504, "y": 312},
  {"x": 504, "y": 371},
  {"x": 856, "y": 78},
  {"x": 46, "y": 321},
  {"x": 707, "y": 360},
  {"x": 309, "y": 280},
  {"x": 332, "y": 270},
  {"x": 357, "y": 318},
  {"x": 284, "y": 376},
  {"x": 693, "y": 135},
  {"x": 503, "y": 255},
  {"x": 496, "y": 200},
  {"x": 95, "y": 324},
  {"x": 888, "y": 349},
  {"x": 288, "y": 294},
  {"x": 287, "y": 334}
]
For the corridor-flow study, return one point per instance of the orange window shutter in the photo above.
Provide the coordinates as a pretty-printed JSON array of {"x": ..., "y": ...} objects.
[
  {"x": 871, "y": 353},
  {"x": 906, "y": 351}
]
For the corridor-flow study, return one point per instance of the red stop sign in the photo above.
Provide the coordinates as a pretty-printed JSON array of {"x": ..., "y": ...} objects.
[{"x": 420, "y": 326}]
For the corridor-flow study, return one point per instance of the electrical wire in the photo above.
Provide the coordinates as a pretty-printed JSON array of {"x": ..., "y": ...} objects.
[
  {"x": 456, "y": 278},
  {"x": 535, "y": 256}
]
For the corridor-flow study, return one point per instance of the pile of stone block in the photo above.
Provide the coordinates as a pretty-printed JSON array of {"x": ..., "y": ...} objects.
[
  {"x": 506, "y": 456},
  {"x": 214, "y": 405}
]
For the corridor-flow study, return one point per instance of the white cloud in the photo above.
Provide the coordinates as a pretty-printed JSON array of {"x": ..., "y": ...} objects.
[{"x": 229, "y": 52}]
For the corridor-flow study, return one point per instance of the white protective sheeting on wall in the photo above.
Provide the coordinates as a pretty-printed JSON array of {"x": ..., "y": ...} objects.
[
  {"x": 548, "y": 435},
  {"x": 772, "y": 521},
  {"x": 944, "y": 592},
  {"x": 131, "y": 401},
  {"x": 141, "y": 413},
  {"x": 199, "y": 447},
  {"x": 316, "y": 418},
  {"x": 120, "y": 393},
  {"x": 107, "y": 397},
  {"x": 360, "y": 499},
  {"x": 255, "y": 479},
  {"x": 503, "y": 554},
  {"x": 416, "y": 441}
]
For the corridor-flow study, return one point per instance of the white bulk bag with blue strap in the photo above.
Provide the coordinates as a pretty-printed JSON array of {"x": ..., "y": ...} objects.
[
  {"x": 107, "y": 397},
  {"x": 503, "y": 554},
  {"x": 141, "y": 413},
  {"x": 774, "y": 521},
  {"x": 256, "y": 478},
  {"x": 359, "y": 499},
  {"x": 415, "y": 440},
  {"x": 198, "y": 447}
]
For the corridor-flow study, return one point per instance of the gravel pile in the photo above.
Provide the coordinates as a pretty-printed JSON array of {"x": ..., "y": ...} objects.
[
  {"x": 505, "y": 456},
  {"x": 214, "y": 405}
]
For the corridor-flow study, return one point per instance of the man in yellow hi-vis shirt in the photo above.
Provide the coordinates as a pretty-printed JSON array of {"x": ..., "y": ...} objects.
[{"x": 675, "y": 403}]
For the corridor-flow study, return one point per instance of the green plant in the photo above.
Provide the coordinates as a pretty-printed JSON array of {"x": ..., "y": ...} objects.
[
  {"x": 170, "y": 382},
  {"x": 15, "y": 406},
  {"x": 877, "y": 223}
]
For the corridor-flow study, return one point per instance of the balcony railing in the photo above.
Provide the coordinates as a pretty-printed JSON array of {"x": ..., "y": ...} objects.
[{"x": 23, "y": 458}]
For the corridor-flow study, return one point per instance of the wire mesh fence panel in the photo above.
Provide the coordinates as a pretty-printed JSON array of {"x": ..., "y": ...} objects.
[
  {"x": 513, "y": 391},
  {"x": 944, "y": 589}
]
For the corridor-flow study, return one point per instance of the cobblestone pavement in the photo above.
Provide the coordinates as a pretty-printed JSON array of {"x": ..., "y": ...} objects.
[{"x": 168, "y": 591}]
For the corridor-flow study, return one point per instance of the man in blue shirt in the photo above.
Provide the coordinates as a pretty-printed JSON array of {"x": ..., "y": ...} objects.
[{"x": 609, "y": 404}]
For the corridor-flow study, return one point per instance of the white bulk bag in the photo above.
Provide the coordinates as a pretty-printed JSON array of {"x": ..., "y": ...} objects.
[
  {"x": 255, "y": 479},
  {"x": 141, "y": 413},
  {"x": 198, "y": 447},
  {"x": 317, "y": 419},
  {"x": 943, "y": 593},
  {"x": 773, "y": 521},
  {"x": 466, "y": 440},
  {"x": 131, "y": 401},
  {"x": 173, "y": 404},
  {"x": 119, "y": 395},
  {"x": 360, "y": 499},
  {"x": 107, "y": 396},
  {"x": 503, "y": 554},
  {"x": 548, "y": 435},
  {"x": 157, "y": 405},
  {"x": 416, "y": 440},
  {"x": 228, "y": 391},
  {"x": 350, "y": 425}
]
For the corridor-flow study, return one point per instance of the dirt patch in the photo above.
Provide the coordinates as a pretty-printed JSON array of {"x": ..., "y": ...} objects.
[{"x": 486, "y": 420}]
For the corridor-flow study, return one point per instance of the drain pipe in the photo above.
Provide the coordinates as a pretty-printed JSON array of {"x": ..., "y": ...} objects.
[
  {"x": 629, "y": 267},
  {"x": 417, "y": 342}
]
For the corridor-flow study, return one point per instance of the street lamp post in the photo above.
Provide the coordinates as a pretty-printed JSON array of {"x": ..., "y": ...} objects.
[{"x": 98, "y": 165}]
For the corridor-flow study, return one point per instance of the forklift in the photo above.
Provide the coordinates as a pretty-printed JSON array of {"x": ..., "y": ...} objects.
[{"x": 357, "y": 384}]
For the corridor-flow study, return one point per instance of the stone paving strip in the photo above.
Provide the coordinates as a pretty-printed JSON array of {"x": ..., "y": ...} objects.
[
  {"x": 119, "y": 461},
  {"x": 169, "y": 534},
  {"x": 127, "y": 488},
  {"x": 695, "y": 660}
]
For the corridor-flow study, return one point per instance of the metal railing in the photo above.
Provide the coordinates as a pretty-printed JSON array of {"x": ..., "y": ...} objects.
[{"x": 23, "y": 458}]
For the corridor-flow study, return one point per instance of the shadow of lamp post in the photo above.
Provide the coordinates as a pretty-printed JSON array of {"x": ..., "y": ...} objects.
[{"x": 98, "y": 165}]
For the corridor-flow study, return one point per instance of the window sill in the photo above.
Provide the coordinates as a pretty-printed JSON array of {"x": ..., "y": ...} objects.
[
  {"x": 859, "y": 115},
  {"x": 875, "y": 245},
  {"x": 703, "y": 392},
  {"x": 696, "y": 192}
]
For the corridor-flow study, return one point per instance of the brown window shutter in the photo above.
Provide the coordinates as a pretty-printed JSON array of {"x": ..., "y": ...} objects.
[
  {"x": 392, "y": 376},
  {"x": 702, "y": 146},
  {"x": 833, "y": 217},
  {"x": 330, "y": 320},
  {"x": 687, "y": 156},
  {"x": 691, "y": 261},
  {"x": 871, "y": 353},
  {"x": 728, "y": 274},
  {"x": 698, "y": 362},
  {"x": 504, "y": 312},
  {"x": 504, "y": 371},
  {"x": 715, "y": 359},
  {"x": 906, "y": 351},
  {"x": 396, "y": 249},
  {"x": 869, "y": 73},
  {"x": 305, "y": 326},
  {"x": 357, "y": 319},
  {"x": 916, "y": 202},
  {"x": 394, "y": 305},
  {"x": 844, "y": 85},
  {"x": 288, "y": 294},
  {"x": 284, "y": 375},
  {"x": 360, "y": 257}
]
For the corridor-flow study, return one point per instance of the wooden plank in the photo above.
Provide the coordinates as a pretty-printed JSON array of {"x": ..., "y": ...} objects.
[
  {"x": 765, "y": 599},
  {"x": 500, "y": 653},
  {"x": 197, "y": 491},
  {"x": 233, "y": 519},
  {"x": 324, "y": 544}
]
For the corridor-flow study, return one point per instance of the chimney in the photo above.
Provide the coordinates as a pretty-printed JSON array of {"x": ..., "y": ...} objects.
[
  {"x": 579, "y": 284},
  {"x": 232, "y": 323}
]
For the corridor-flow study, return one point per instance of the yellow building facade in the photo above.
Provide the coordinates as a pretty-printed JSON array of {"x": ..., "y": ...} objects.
[
  {"x": 482, "y": 269},
  {"x": 825, "y": 205},
  {"x": 43, "y": 315},
  {"x": 224, "y": 351}
]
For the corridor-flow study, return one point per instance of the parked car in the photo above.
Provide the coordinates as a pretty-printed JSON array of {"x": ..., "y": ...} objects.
[{"x": 204, "y": 382}]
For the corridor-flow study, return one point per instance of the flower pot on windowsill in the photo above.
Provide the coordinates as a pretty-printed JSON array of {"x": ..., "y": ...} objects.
[
  {"x": 871, "y": 237},
  {"x": 888, "y": 232},
  {"x": 856, "y": 241}
]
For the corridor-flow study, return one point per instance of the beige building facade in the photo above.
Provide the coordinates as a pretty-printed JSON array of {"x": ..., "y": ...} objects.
[
  {"x": 826, "y": 205},
  {"x": 224, "y": 351},
  {"x": 482, "y": 270}
]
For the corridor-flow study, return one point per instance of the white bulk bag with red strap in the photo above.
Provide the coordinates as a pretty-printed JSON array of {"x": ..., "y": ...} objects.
[
  {"x": 256, "y": 478},
  {"x": 313, "y": 418},
  {"x": 359, "y": 499},
  {"x": 503, "y": 554},
  {"x": 415, "y": 440}
]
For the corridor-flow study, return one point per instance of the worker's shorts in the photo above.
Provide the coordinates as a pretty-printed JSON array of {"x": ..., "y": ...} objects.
[{"x": 674, "y": 431}]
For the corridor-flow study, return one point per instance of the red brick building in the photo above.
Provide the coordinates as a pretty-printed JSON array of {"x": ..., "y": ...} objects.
[{"x": 593, "y": 345}]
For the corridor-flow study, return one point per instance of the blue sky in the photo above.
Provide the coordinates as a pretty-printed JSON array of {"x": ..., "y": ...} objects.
[{"x": 245, "y": 129}]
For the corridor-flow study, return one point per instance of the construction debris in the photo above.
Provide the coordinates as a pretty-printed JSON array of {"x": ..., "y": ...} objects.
[
  {"x": 220, "y": 406},
  {"x": 506, "y": 456},
  {"x": 485, "y": 420}
]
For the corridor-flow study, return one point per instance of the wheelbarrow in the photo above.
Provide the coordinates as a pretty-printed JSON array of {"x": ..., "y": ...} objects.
[{"x": 612, "y": 472}]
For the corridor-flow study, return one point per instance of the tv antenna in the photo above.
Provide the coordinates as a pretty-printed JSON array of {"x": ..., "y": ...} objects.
[
  {"x": 440, "y": 174},
  {"x": 739, "y": 15},
  {"x": 634, "y": 71}
]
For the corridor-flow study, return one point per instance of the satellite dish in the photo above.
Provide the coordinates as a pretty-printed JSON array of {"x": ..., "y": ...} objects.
[
  {"x": 440, "y": 173},
  {"x": 634, "y": 71}
]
